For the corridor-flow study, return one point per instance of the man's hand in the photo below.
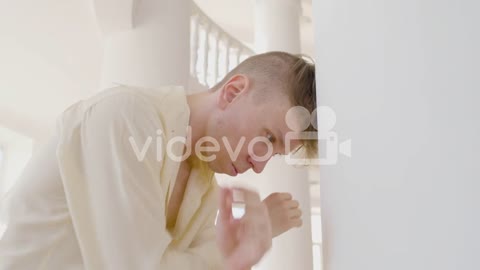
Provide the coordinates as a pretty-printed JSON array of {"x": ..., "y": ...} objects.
[
  {"x": 243, "y": 242},
  {"x": 284, "y": 212}
]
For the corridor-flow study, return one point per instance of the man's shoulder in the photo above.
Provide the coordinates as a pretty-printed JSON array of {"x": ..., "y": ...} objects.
[
  {"x": 161, "y": 96},
  {"x": 162, "y": 91},
  {"x": 165, "y": 99},
  {"x": 130, "y": 102}
]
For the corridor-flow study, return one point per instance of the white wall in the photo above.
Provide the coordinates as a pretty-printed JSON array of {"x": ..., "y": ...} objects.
[
  {"x": 402, "y": 77},
  {"x": 50, "y": 56},
  {"x": 16, "y": 150}
]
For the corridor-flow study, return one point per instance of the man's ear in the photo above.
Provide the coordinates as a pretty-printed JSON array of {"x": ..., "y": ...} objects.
[{"x": 234, "y": 87}]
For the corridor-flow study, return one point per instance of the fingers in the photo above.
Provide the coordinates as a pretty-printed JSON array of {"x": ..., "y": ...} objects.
[
  {"x": 296, "y": 222},
  {"x": 281, "y": 196},
  {"x": 285, "y": 195},
  {"x": 295, "y": 213},
  {"x": 250, "y": 198},
  {"x": 225, "y": 204},
  {"x": 292, "y": 204},
  {"x": 256, "y": 213},
  {"x": 295, "y": 219},
  {"x": 255, "y": 236}
]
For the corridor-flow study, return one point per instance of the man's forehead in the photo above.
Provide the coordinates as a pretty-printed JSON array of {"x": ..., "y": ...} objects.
[{"x": 291, "y": 119}]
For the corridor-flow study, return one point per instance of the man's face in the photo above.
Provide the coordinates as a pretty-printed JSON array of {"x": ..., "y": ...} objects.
[{"x": 249, "y": 132}]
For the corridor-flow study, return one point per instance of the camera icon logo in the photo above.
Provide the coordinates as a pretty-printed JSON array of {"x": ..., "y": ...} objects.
[{"x": 299, "y": 119}]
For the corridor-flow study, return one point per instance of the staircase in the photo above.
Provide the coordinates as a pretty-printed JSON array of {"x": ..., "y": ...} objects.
[{"x": 214, "y": 52}]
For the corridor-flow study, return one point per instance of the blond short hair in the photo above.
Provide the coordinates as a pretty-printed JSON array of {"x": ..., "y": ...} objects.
[{"x": 294, "y": 75}]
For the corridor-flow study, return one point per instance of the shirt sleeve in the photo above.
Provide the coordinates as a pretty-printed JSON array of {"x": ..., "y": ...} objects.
[{"x": 110, "y": 169}]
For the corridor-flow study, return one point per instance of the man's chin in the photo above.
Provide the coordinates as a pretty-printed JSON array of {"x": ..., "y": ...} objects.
[
  {"x": 227, "y": 169},
  {"x": 216, "y": 168}
]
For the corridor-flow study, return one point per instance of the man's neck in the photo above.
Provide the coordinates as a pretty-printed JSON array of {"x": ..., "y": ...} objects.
[{"x": 201, "y": 106}]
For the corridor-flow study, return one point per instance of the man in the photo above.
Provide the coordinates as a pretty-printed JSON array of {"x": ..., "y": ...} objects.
[{"x": 115, "y": 190}]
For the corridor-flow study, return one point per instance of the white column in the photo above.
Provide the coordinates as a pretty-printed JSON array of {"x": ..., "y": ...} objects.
[
  {"x": 149, "y": 43},
  {"x": 277, "y": 25},
  {"x": 17, "y": 150},
  {"x": 277, "y": 28},
  {"x": 402, "y": 77},
  {"x": 292, "y": 250}
]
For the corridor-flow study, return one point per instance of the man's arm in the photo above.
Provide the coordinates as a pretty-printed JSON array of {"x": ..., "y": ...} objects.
[{"x": 116, "y": 202}]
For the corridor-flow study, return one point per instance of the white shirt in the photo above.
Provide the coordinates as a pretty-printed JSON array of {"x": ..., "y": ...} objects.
[{"x": 85, "y": 201}]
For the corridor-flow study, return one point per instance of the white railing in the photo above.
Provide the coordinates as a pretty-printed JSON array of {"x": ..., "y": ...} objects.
[{"x": 214, "y": 52}]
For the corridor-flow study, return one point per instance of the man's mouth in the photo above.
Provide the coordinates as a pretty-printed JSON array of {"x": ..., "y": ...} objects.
[{"x": 234, "y": 170}]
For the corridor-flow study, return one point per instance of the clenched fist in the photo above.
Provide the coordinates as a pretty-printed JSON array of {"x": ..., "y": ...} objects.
[{"x": 284, "y": 212}]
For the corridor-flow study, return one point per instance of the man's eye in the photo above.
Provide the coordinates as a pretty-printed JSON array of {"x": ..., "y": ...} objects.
[{"x": 270, "y": 138}]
